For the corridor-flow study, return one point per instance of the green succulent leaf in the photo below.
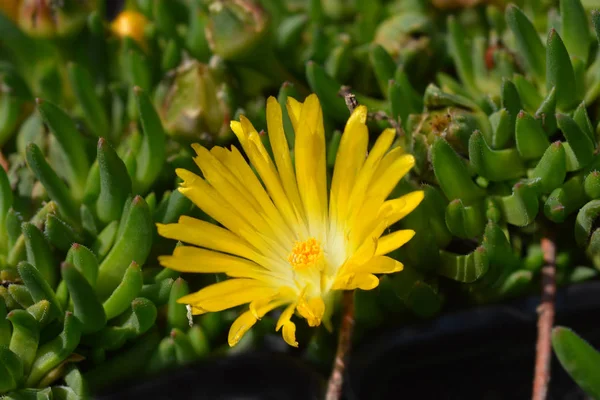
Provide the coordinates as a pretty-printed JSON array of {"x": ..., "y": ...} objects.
[
  {"x": 551, "y": 170},
  {"x": 580, "y": 116},
  {"x": 115, "y": 183},
  {"x": 522, "y": 206},
  {"x": 151, "y": 156},
  {"x": 71, "y": 143},
  {"x": 87, "y": 308},
  {"x": 129, "y": 288},
  {"x": 559, "y": 72},
  {"x": 464, "y": 268},
  {"x": 85, "y": 261},
  {"x": 585, "y": 221},
  {"x": 39, "y": 253},
  {"x": 596, "y": 22},
  {"x": 578, "y": 358},
  {"x": 531, "y": 139},
  {"x": 575, "y": 28},
  {"x": 452, "y": 173},
  {"x": 502, "y": 130},
  {"x": 579, "y": 148},
  {"x": 177, "y": 313},
  {"x": 133, "y": 243},
  {"x": 511, "y": 101},
  {"x": 383, "y": 65},
  {"x": 461, "y": 54},
  {"x": 465, "y": 221},
  {"x": 6, "y": 203},
  {"x": 565, "y": 200},
  {"x": 5, "y": 327},
  {"x": 546, "y": 112},
  {"x": 495, "y": 165},
  {"x": 528, "y": 42},
  {"x": 54, "y": 186},
  {"x": 94, "y": 111},
  {"x": 39, "y": 287},
  {"x": 327, "y": 90},
  {"x": 591, "y": 185},
  {"x": 25, "y": 337},
  {"x": 51, "y": 354},
  {"x": 59, "y": 233},
  {"x": 184, "y": 351},
  {"x": 11, "y": 370}
]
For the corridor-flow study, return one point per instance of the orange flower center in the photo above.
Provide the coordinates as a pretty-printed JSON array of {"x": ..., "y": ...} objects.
[{"x": 305, "y": 254}]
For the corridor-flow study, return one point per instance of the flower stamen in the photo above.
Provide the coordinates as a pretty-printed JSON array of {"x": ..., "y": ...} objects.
[{"x": 305, "y": 254}]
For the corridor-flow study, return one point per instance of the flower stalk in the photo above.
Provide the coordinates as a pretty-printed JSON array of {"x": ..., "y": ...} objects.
[
  {"x": 545, "y": 321},
  {"x": 336, "y": 380}
]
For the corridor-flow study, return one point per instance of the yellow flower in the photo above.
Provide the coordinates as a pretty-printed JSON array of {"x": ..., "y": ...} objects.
[
  {"x": 130, "y": 24},
  {"x": 283, "y": 241}
]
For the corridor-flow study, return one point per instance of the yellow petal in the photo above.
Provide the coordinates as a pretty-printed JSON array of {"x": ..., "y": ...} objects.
[
  {"x": 196, "y": 310},
  {"x": 365, "y": 222},
  {"x": 378, "y": 265},
  {"x": 404, "y": 205},
  {"x": 393, "y": 241},
  {"x": 259, "y": 307},
  {"x": 391, "y": 169},
  {"x": 294, "y": 107},
  {"x": 285, "y": 316},
  {"x": 289, "y": 334},
  {"x": 204, "y": 234},
  {"x": 193, "y": 259},
  {"x": 235, "y": 162},
  {"x": 235, "y": 192},
  {"x": 273, "y": 184},
  {"x": 227, "y": 294},
  {"x": 213, "y": 204},
  {"x": 381, "y": 146},
  {"x": 310, "y": 172},
  {"x": 364, "y": 253},
  {"x": 240, "y": 326},
  {"x": 236, "y": 127},
  {"x": 312, "y": 310},
  {"x": 349, "y": 160},
  {"x": 310, "y": 162},
  {"x": 353, "y": 281},
  {"x": 281, "y": 150}
]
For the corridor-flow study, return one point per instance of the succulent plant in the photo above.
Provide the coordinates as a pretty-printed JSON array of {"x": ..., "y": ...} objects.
[{"x": 505, "y": 153}]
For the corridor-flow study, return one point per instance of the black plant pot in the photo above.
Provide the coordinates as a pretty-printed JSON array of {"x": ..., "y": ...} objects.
[
  {"x": 249, "y": 376},
  {"x": 483, "y": 353}
]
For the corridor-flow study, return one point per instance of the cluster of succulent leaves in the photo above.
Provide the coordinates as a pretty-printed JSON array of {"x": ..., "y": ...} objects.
[{"x": 93, "y": 124}]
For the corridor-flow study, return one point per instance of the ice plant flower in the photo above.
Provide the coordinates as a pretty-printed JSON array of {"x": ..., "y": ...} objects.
[
  {"x": 130, "y": 24},
  {"x": 283, "y": 240}
]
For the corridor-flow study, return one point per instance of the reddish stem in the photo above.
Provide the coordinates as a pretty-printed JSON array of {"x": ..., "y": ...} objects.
[
  {"x": 545, "y": 322},
  {"x": 336, "y": 380}
]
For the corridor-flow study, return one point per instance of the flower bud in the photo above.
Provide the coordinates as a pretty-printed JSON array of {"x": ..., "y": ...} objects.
[
  {"x": 196, "y": 103},
  {"x": 130, "y": 24},
  {"x": 47, "y": 18},
  {"x": 235, "y": 28},
  {"x": 409, "y": 38}
]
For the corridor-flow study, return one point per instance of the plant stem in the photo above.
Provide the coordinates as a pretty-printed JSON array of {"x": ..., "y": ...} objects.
[
  {"x": 545, "y": 321},
  {"x": 336, "y": 380}
]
